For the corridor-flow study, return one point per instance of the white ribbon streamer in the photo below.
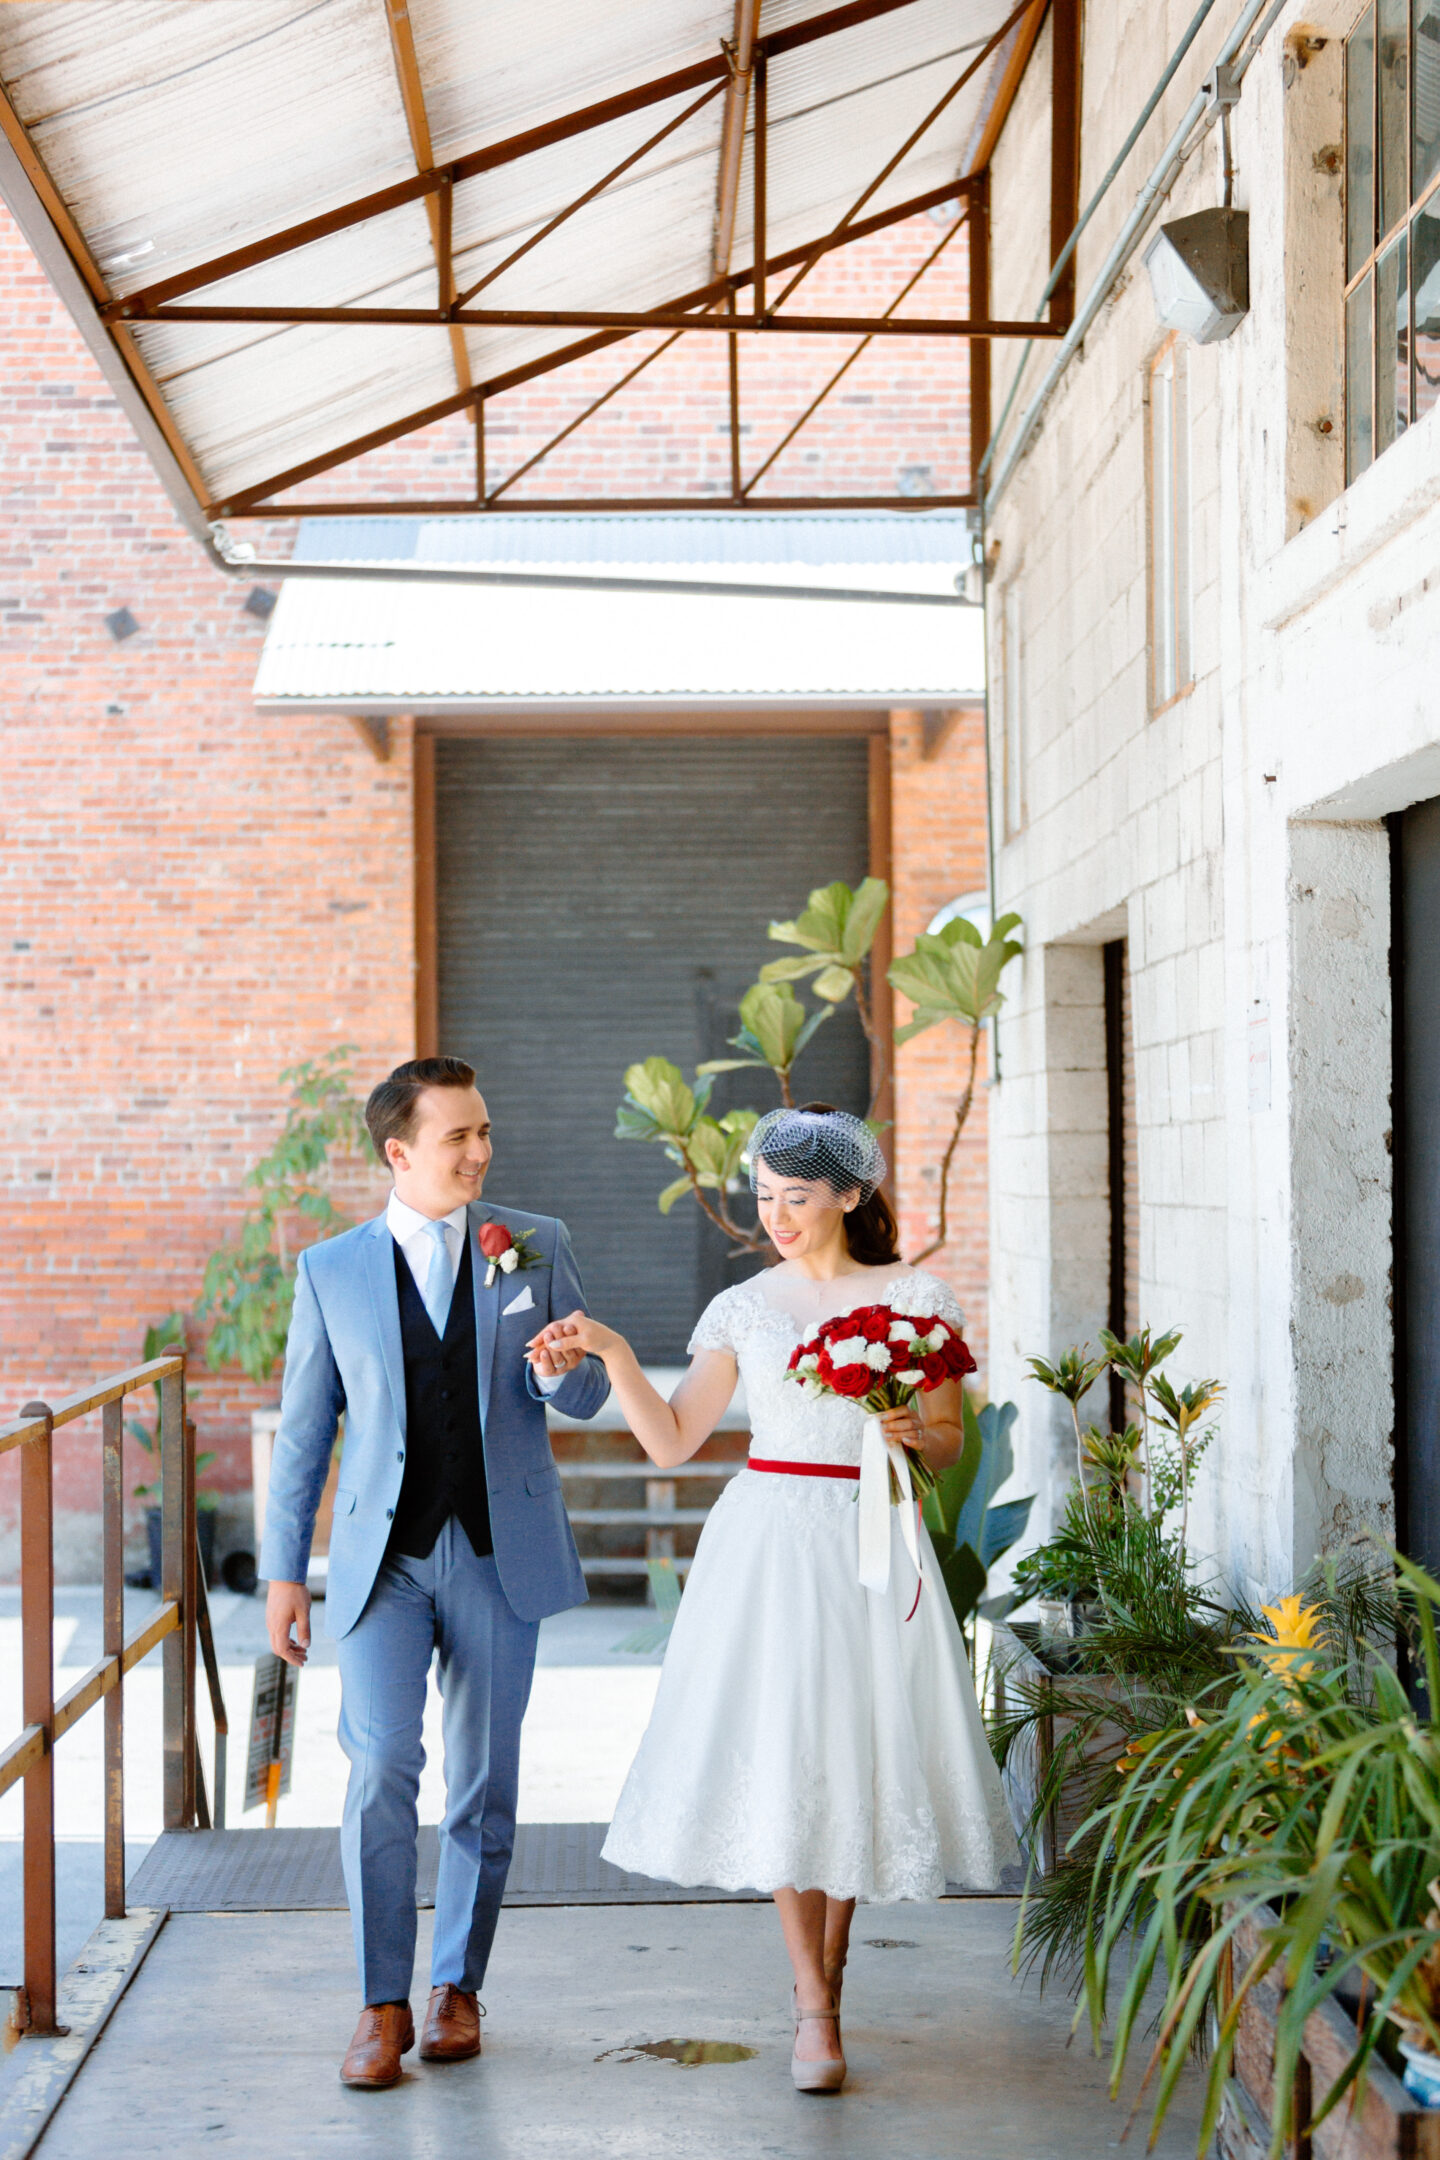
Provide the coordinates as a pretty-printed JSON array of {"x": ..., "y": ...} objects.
[{"x": 877, "y": 1458}]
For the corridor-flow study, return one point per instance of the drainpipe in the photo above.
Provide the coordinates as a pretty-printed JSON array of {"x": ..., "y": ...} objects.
[{"x": 1200, "y": 113}]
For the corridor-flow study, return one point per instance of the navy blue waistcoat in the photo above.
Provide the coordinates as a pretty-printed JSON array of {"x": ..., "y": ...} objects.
[{"x": 444, "y": 1450}]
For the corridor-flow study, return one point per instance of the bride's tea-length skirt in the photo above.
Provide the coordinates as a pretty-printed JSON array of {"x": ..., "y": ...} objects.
[{"x": 804, "y": 1732}]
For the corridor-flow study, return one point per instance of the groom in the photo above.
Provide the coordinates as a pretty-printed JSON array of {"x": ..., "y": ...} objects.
[{"x": 450, "y": 1536}]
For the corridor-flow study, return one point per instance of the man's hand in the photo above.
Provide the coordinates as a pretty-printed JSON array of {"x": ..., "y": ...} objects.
[
  {"x": 287, "y": 1606},
  {"x": 559, "y": 1348}
]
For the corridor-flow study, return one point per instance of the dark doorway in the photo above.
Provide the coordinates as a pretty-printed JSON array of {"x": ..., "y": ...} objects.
[
  {"x": 1123, "y": 1150},
  {"x": 601, "y": 902},
  {"x": 1415, "y": 981}
]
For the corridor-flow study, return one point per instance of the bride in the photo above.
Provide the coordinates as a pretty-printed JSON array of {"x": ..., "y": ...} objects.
[{"x": 810, "y": 1737}]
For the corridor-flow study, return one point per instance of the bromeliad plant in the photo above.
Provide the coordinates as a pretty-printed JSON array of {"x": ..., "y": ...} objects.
[
  {"x": 249, "y": 1286},
  {"x": 1298, "y": 1801}
]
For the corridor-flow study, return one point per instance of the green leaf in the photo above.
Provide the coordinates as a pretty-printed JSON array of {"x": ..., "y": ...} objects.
[
  {"x": 964, "y": 1576},
  {"x": 792, "y": 970},
  {"x": 863, "y": 918},
  {"x": 672, "y": 1193},
  {"x": 632, "y": 1123},
  {"x": 833, "y": 984},
  {"x": 953, "y": 975},
  {"x": 813, "y": 1021},
  {"x": 1004, "y": 1527},
  {"x": 838, "y": 923},
  {"x": 658, "y": 1086},
  {"x": 723, "y": 1065},
  {"x": 773, "y": 1016}
]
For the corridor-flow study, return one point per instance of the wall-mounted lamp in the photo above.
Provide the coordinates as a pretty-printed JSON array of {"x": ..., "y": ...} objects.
[{"x": 1200, "y": 274}]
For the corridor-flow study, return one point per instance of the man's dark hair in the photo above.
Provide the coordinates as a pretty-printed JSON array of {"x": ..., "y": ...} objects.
[{"x": 390, "y": 1112}]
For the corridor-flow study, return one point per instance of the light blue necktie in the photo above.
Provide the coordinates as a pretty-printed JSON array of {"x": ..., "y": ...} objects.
[{"x": 440, "y": 1281}]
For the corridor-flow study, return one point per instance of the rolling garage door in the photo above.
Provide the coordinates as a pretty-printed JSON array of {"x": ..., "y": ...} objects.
[{"x": 599, "y": 902}]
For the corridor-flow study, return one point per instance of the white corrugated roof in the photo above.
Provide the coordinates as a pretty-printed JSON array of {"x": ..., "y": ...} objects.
[
  {"x": 175, "y": 133},
  {"x": 405, "y": 647}
]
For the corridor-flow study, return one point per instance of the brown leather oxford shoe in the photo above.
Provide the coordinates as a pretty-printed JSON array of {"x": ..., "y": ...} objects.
[
  {"x": 386, "y": 2031},
  {"x": 452, "y": 2026}
]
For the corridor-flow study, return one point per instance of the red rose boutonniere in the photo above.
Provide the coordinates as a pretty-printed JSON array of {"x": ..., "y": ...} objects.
[{"x": 507, "y": 1252}]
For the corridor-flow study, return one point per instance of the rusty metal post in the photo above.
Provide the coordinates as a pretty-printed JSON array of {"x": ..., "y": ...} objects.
[
  {"x": 759, "y": 154},
  {"x": 177, "y": 1566},
  {"x": 736, "y": 491},
  {"x": 113, "y": 1531},
  {"x": 37, "y": 1624},
  {"x": 1065, "y": 63},
  {"x": 977, "y": 212}
]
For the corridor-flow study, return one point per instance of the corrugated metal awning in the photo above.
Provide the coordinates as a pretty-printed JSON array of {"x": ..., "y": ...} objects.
[
  {"x": 425, "y": 648},
  {"x": 302, "y": 228}
]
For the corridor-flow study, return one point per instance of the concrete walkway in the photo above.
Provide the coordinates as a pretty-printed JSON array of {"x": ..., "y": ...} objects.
[{"x": 229, "y": 2039}]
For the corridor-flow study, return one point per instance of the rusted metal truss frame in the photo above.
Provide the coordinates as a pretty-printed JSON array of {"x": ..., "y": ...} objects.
[
  {"x": 711, "y": 309},
  {"x": 742, "y": 489},
  {"x": 362, "y": 208},
  {"x": 255, "y": 501},
  {"x": 437, "y": 206}
]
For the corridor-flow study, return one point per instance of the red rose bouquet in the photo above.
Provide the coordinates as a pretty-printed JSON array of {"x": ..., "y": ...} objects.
[{"x": 882, "y": 1360}]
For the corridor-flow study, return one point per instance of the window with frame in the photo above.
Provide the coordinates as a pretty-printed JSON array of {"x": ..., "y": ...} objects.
[
  {"x": 1392, "y": 225},
  {"x": 1170, "y": 597}
]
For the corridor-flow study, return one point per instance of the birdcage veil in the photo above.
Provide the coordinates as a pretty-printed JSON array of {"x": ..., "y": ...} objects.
[{"x": 829, "y": 1145}]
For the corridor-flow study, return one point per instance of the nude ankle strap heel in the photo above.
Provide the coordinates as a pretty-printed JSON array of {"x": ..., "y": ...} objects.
[{"x": 824, "y": 2075}]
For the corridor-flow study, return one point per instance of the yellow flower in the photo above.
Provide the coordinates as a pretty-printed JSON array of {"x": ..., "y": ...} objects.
[{"x": 1295, "y": 1626}]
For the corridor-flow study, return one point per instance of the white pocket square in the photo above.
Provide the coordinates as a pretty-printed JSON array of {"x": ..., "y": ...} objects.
[{"x": 524, "y": 1303}]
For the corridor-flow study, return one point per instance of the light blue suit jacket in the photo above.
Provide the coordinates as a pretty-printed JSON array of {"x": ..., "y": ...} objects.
[{"x": 344, "y": 1355}]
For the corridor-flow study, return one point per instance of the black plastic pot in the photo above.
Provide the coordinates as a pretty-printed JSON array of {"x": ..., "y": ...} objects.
[{"x": 205, "y": 1525}]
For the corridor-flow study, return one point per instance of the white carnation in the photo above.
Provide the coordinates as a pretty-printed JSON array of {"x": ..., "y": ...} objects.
[
  {"x": 509, "y": 1260},
  {"x": 808, "y": 1364},
  {"x": 877, "y": 1357},
  {"x": 911, "y": 1379},
  {"x": 854, "y": 1350},
  {"x": 902, "y": 1331}
]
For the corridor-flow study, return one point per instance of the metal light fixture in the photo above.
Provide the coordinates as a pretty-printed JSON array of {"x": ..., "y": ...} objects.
[{"x": 1200, "y": 273}]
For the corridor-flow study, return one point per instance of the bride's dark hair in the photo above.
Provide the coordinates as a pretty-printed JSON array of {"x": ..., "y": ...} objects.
[{"x": 872, "y": 1234}]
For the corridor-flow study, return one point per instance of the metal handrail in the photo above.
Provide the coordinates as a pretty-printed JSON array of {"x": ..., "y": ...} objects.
[{"x": 30, "y": 1756}]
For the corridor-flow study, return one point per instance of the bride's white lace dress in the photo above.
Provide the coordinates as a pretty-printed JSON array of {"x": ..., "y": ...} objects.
[{"x": 805, "y": 1732}]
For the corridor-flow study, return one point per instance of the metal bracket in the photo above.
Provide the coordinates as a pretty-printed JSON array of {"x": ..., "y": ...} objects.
[{"x": 1222, "y": 87}]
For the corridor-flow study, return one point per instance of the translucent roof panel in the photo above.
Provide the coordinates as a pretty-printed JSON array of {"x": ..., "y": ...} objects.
[{"x": 223, "y": 158}]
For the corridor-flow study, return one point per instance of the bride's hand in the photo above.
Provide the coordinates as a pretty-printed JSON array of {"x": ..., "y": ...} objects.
[
  {"x": 903, "y": 1427},
  {"x": 561, "y": 1346}
]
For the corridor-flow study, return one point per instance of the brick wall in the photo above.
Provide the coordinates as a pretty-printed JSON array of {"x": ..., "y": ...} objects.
[
  {"x": 194, "y": 896},
  {"x": 938, "y": 826}
]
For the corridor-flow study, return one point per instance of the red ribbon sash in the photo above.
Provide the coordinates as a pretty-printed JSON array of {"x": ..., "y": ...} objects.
[{"x": 807, "y": 1469}]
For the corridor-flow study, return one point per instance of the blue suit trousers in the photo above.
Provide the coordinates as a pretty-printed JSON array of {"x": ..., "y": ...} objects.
[{"x": 449, "y": 1606}]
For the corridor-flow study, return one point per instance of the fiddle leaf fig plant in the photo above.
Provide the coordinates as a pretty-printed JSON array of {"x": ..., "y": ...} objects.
[
  {"x": 836, "y": 930},
  {"x": 774, "y": 1029},
  {"x": 660, "y": 1106},
  {"x": 955, "y": 975}
]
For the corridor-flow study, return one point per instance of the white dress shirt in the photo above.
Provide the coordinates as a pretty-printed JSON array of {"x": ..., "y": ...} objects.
[{"x": 411, "y": 1232}]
